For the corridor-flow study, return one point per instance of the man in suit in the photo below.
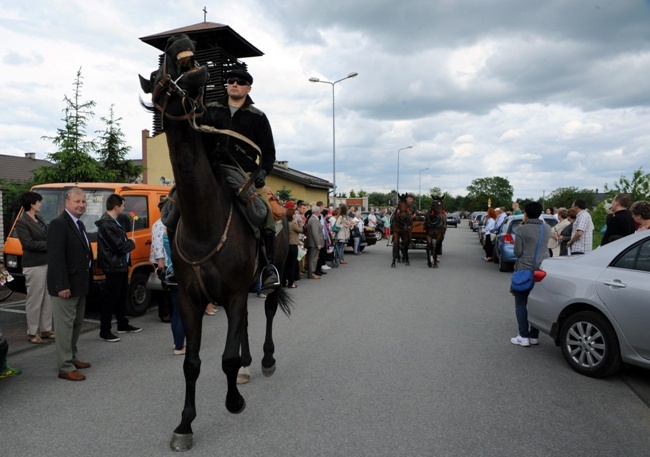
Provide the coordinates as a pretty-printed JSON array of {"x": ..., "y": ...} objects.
[
  {"x": 315, "y": 242},
  {"x": 69, "y": 275}
]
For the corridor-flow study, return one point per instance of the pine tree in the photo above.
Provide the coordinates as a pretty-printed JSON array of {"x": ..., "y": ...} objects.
[
  {"x": 112, "y": 151},
  {"x": 72, "y": 161}
]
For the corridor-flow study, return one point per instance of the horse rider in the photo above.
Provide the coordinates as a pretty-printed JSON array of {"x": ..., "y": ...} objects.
[{"x": 236, "y": 112}]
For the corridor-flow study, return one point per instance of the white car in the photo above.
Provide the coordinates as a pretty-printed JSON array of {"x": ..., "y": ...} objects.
[{"x": 596, "y": 306}]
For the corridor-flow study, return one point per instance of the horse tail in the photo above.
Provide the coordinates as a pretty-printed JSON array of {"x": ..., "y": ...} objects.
[{"x": 283, "y": 299}]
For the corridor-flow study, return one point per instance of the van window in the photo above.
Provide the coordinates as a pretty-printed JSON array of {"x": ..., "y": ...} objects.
[
  {"x": 53, "y": 205},
  {"x": 136, "y": 213}
]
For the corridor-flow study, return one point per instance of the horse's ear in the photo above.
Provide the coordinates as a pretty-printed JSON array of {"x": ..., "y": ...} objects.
[{"x": 145, "y": 84}]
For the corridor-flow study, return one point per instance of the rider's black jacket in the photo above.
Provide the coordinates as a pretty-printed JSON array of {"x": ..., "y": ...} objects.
[
  {"x": 248, "y": 121},
  {"x": 112, "y": 245}
]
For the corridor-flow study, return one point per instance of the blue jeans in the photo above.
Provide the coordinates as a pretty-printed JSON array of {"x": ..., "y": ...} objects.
[
  {"x": 521, "y": 301},
  {"x": 340, "y": 247},
  {"x": 177, "y": 326},
  {"x": 357, "y": 243}
]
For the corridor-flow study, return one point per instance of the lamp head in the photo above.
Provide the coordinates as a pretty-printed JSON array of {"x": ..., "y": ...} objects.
[{"x": 314, "y": 79}]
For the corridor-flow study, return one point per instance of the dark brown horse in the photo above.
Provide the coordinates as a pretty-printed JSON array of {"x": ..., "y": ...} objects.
[
  {"x": 401, "y": 224},
  {"x": 436, "y": 227},
  {"x": 215, "y": 252}
]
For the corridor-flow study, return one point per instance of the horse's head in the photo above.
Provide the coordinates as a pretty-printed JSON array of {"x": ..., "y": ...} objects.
[
  {"x": 436, "y": 207},
  {"x": 402, "y": 203},
  {"x": 178, "y": 79}
]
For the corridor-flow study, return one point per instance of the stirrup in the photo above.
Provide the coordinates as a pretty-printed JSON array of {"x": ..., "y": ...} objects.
[{"x": 273, "y": 270}]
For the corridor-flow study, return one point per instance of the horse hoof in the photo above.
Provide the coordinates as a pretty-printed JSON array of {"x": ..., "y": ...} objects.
[
  {"x": 430, "y": 265},
  {"x": 181, "y": 442},
  {"x": 268, "y": 371},
  {"x": 237, "y": 407},
  {"x": 244, "y": 376},
  {"x": 435, "y": 266},
  {"x": 392, "y": 265},
  {"x": 408, "y": 264}
]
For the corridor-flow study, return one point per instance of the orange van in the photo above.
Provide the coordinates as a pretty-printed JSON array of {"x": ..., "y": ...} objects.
[{"x": 141, "y": 211}]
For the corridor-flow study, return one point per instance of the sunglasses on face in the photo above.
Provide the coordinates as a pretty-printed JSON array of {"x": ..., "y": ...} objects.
[{"x": 239, "y": 82}]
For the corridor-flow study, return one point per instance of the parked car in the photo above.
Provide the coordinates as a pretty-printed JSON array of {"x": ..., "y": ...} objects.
[
  {"x": 477, "y": 219},
  {"x": 141, "y": 204},
  {"x": 595, "y": 306},
  {"x": 452, "y": 220},
  {"x": 504, "y": 243}
]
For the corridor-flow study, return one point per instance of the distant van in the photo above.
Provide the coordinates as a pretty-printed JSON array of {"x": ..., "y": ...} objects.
[{"x": 141, "y": 211}]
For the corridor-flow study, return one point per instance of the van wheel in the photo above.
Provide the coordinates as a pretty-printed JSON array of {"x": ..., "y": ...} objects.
[{"x": 139, "y": 295}]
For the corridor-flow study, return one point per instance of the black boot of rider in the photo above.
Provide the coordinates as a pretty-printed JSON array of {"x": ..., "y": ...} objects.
[{"x": 270, "y": 279}]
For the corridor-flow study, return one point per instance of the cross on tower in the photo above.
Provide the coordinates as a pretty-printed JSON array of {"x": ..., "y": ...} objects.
[{"x": 205, "y": 13}]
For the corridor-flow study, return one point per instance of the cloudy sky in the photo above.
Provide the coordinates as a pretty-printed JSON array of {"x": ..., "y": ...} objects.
[{"x": 546, "y": 94}]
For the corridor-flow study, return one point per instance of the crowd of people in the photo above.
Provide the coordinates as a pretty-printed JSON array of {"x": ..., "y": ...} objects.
[{"x": 318, "y": 234}]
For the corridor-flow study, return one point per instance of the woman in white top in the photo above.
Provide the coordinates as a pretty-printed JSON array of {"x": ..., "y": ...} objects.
[
  {"x": 357, "y": 222},
  {"x": 490, "y": 223},
  {"x": 554, "y": 243}
]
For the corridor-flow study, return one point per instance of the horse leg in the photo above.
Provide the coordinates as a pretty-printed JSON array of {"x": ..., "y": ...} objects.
[
  {"x": 192, "y": 320},
  {"x": 429, "y": 249},
  {"x": 435, "y": 253},
  {"x": 405, "y": 253},
  {"x": 244, "y": 373},
  {"x": 270, "y": 308},
  {"x": 231, "y": 361},
  {"x": 395, "y": 252}
]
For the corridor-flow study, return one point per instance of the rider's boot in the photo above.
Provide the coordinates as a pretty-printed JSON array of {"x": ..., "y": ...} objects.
[{"x": 270, "y": 276}]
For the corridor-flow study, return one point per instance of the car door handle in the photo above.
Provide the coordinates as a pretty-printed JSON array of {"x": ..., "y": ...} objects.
[
  {"x": 148, "y": 242},
  {"x": 616, "y": 283}
]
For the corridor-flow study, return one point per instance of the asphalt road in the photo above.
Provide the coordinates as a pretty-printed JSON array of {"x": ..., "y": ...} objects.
[{"x": 374, "y": 361}]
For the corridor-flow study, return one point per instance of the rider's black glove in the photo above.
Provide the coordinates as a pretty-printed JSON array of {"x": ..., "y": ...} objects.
[{"x": 259, "y": 181}]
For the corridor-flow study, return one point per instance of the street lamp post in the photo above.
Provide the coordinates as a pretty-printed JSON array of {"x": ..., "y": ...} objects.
[
  {"x": 317, "y": 80},
  {"x": 401, "y": 149},
  {"x": 420, "y": 188}
]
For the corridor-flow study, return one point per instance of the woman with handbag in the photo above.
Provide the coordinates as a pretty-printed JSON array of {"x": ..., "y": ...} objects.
[
  {"x": 531, "y": 241},
  {"x": 343, "y": 235},
  {"x": 32, "y": 232}
]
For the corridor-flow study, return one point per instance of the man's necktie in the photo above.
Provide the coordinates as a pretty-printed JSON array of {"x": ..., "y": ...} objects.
[{"x": 82, "y": 229}]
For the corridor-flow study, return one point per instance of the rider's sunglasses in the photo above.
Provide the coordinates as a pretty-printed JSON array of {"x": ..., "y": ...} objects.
[{"x": 240, "y": 82}]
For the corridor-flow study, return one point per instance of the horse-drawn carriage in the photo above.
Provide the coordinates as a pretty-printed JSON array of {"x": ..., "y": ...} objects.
[{"x": 419, "y": 230}]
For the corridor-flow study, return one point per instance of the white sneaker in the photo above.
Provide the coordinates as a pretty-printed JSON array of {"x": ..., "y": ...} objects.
[
  {"x": 533, "y": 341},
  {"x": 261, "y": 295},
  {"x": 519, "y": 341},
  {"x": 325, "y": 267}
]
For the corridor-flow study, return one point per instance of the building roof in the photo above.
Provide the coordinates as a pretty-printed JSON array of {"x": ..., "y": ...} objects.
[
  {"x": 20, "y": 169},
  {"x": 281, "y": 169},
  {"x": 208, "y": 34}
]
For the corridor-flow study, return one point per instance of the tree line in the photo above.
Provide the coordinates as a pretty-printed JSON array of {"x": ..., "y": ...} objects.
[{"x": 500, "y": 192}]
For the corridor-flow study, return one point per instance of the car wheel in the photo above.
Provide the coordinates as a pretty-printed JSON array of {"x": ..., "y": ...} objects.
[
  {"x": 378, "y": 235},
  {"x": 590, "y": 346},
  {"x": 139, "y": 296}
]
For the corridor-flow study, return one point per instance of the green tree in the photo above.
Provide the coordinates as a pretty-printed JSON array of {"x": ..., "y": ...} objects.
[
  {"x": 72, "y": 161},
  {"x": 638, "y": 187},
  {"x": 353, "y": 194},
  {"x": 565, "y": 196},
  {"x": 284, "y": 194},
  {"x": 377, "y": 199},
  {"x": 112, "y": 151},
  {"x": 497, "y": 189},
  {"x": 362, "y": 193}
]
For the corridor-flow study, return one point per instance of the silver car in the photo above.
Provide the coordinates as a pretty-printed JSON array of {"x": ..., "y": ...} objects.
[{"x": 596, "y": 306}]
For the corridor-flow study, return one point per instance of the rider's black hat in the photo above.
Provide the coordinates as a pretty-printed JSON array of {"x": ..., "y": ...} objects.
[{"x": 241, "y": 74}]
